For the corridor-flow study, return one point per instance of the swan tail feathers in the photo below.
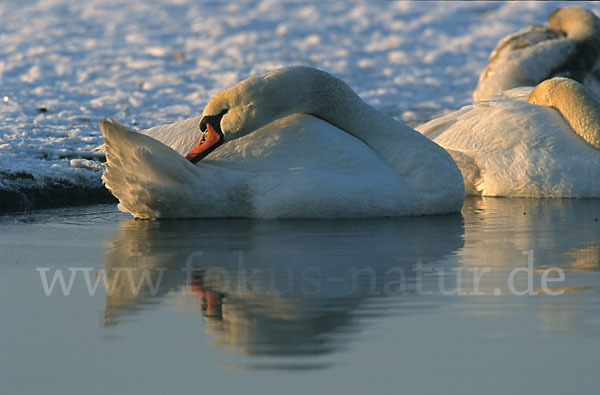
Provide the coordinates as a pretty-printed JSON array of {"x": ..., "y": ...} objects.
[{"x": 143, "y": 173}]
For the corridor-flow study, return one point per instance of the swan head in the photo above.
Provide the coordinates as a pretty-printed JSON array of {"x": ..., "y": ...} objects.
[
  {"x": 259, "y": 100},
  {"x": 576, "y": 22},
  {"x": 243, "y": 108},
  {"x": 559, "y": 90}
]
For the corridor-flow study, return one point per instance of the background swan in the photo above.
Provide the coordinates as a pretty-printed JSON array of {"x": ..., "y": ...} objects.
[
  {"x": 568, "y": 46},
  {"x": 297, "y": 143},
  {"x": 540, "y": 143}
]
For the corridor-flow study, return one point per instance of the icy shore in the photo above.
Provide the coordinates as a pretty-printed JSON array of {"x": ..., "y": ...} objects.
[{"x": 64, "y": 65}]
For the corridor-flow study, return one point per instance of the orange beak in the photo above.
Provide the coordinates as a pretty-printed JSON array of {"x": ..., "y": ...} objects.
[{"x": 210, "y": 140}]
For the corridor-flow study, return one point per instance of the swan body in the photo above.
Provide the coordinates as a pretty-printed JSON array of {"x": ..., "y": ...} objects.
[
  {"x": 525, "y": 142},
  {"x": 297, "y": 143},
  {"x": 568, "y": 46}
]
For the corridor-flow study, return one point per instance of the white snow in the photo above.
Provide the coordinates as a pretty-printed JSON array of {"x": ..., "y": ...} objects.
[{"x": 64, "y": 64}]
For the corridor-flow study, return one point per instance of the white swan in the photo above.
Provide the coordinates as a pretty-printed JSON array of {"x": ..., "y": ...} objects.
[
  {"x": 297, "y": 143},
  {"x": 515, "y": 144},
  {"x": 569, "y": 46}
]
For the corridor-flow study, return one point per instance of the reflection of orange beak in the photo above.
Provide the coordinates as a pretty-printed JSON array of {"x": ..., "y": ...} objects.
[
  {"x": 197, "y": 287},
  {"x": 211, "y": 302},
  {"x": 210, "y": 140},
  {"x": 214, "y": 304}
]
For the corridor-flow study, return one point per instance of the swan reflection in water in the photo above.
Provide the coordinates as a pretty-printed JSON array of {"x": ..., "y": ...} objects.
[
  {"x": 305, "y": 286},
  {"x": 557, "y": 233},
  {"x": 294, "y": 287}
]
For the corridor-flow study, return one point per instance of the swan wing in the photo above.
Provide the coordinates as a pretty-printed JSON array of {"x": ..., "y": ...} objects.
[
  {"x": 153, "y": 180},
  {"x": 181, "y": 136}
]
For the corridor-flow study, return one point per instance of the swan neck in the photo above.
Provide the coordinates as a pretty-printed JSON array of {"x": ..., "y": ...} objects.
[
  {"x": 407, "y": 151},
  {"x": 577, "y": 105},
  {"x": 332, "y": 100}
]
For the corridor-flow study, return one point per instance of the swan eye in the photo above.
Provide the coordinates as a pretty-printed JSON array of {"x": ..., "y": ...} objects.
[{"x": 214, "y": 120}]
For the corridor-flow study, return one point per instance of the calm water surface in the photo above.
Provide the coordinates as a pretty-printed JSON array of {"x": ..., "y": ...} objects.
[{"x": 504, "y": 298}]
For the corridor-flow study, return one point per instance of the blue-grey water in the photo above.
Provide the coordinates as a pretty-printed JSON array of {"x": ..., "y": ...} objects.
[{"x": 504, "y": 298}]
